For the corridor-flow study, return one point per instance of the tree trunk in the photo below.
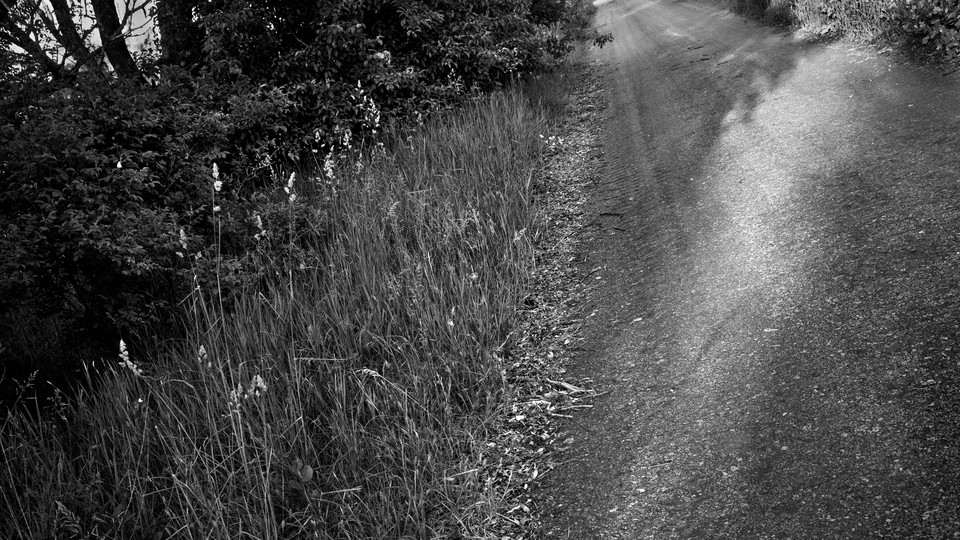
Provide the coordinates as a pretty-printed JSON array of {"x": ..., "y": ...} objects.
[
  {"x": 114, "y": 45},
  {"x": 68, "y": 36}
]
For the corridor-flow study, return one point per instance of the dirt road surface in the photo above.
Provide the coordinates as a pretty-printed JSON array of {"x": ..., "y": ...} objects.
[{"x": 777, "y": 321}]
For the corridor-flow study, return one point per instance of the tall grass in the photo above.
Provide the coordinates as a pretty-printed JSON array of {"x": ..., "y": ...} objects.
[
  {"x": 867, "y": 19},
  {"x": 858, "y": 18},
  {"x": 344, "y": 396}
]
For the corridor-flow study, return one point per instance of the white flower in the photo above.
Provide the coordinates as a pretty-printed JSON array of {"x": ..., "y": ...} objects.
[
  {"x": 289, "y": 189},
  {"x": 183, "y": 238},
  {"x": 258, "y": 222},
  {"x": 216, "y": 208},
  {"x": 125, "y": 361},
  {"x": 392, "y": 210},
  {"x": 257, "y": 387},
  {"x": 119, "y": 165},
  {"x": 328, "y": 165},
  {"x": 217, "y": 185},
  {"x": 234, "y": 403},
  {"x": 216, "y": 172}
]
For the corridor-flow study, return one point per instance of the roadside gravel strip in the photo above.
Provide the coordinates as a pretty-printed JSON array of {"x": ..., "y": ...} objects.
[
  {"x": 775, "y": 332},
  {"x": 529, "y": 438}
]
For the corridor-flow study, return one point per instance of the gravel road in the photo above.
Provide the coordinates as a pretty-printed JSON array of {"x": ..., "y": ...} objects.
[{"x": 777, "y": 317}]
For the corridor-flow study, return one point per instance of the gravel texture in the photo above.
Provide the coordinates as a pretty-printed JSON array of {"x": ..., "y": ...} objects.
[{"x": 774, "y": 329}]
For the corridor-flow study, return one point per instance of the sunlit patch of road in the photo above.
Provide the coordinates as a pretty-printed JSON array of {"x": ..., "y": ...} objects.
[{"x": 785, "y": 253}]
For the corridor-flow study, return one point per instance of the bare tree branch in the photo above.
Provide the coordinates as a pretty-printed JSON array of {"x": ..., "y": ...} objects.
[
  {"x": 22, "y": 39},
  {"x": 69, "y": 37}
]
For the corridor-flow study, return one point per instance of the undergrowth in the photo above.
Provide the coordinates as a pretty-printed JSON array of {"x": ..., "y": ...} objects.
[
  {"x": 929, "y": 25},
  {"x": 344, "y": 394}
]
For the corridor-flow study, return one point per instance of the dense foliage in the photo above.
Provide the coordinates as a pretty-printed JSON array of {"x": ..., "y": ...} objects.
[
  {"x": 935, "y": 22},
  {"x": 931, "y": 24},
  {"x": 110, "y": 216}
]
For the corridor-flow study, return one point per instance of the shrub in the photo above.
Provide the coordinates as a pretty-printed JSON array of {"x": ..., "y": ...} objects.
[
  {"x": 110, "y": 210},
  {"x": 110, "y": 213},
  {"x": 935, "y": 23},
  {"x": 931, "y": 23}
]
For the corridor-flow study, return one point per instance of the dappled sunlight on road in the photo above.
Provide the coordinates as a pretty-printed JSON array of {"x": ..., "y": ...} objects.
[{"x": 786, "y": 250}]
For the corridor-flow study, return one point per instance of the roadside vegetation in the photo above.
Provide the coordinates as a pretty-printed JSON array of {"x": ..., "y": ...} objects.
[
  {"x": 261, "y": 282},
  {"x": 931, "y": 26}
]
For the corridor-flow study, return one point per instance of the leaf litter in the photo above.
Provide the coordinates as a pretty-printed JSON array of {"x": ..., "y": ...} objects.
[{"x": 528, "y": 432}]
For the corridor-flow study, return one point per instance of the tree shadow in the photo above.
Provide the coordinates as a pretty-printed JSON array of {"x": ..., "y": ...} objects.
[{"x": 756, "y": 245}]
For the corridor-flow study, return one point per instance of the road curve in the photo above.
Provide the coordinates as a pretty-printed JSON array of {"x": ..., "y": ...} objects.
[{"x": 777, "y": 316}]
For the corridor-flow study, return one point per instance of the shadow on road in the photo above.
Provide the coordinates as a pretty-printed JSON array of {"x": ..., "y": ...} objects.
[{"x": 776, "y": 319}]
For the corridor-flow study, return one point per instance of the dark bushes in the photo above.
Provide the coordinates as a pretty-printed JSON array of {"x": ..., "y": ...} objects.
[
  {"x": 112, "y": 211},
  {"x": 936, "y": 23}
]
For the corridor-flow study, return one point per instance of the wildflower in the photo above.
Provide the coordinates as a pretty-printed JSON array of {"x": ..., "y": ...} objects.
[
  {"x": 183, "y": 242},
  {"x": 217, "y": 185},
  {"x": 257, "y": 387},
  {"x": 119, "y": 165},
  {"x": 289, "y": 189},
  {"x": 392, "y": 211},
  {"x": 125, "y": 361},
  {"x": 216, "y": 172},
  {"x": 216, "y": 209},
  {"x": 234, "y": 403},
  {"x": 328, "y": 165},
  {"x": 258, "y": 222},
  {"x": 202, "y": 354}
]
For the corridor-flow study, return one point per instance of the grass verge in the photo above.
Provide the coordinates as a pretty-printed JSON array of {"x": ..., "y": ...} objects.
[{"x": 346, "y": 396}]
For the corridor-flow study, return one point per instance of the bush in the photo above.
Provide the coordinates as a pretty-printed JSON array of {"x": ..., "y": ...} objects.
[
  {"x": 110, "y": 212},
  {"x": 111, "y": 217},
  {"x": 936, "y": 23},
  {"x": 97, "y": 183}
]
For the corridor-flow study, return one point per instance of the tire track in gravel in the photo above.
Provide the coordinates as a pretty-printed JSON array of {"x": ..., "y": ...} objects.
[{"x": 777, "y": 307}]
